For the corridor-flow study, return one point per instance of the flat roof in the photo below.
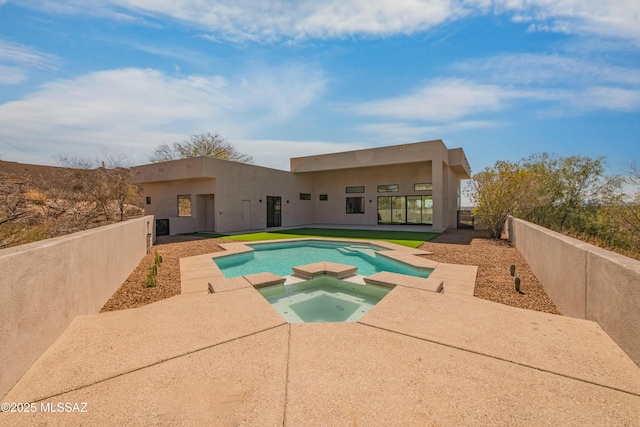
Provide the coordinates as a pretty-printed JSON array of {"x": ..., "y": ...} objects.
[{"x": 379, "y": 156}]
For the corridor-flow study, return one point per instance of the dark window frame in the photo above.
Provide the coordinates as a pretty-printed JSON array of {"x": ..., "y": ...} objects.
[
  {"x": 357, "y": 189},
  {"x": 389, "y": 189},
  {"x": 415, "y": 186},
  {"x": 305, "y": 196},
  {"x": 352, "y": 206},
  {"x": 185, "y": 197}
]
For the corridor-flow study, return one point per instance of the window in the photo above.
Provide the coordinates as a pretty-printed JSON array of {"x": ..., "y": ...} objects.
[
  {"x": 387, "y": 188},
  {"x": 184, "y": 205},
  {"x": 423, "y": 187},
  {"x": 358, "y": 189},
  {"x": 148, "y": 200},
  {"x": 305, "y": 196},
  {"x": 355, "y": 205},
  {"x": 324, "y": 197}
]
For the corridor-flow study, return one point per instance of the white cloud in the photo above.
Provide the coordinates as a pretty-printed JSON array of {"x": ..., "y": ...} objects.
[
  {"x": 519, "y": 18},
  {"x": 277, "y": 19},
  {"x": 276, "y": 153},
  {"x": 608, "y": 98},
  {"x": 542, "y": 85},
  {"x": 16, "y": 60},
  {"x": 533, "y": 69},
  {"x": 11, "y": 75},
  {"x": 19, "y": 54},
  {"x": 280, "y": 94},
  {"x": 618, "y": 18},
  {"x": 273, "y": 20},
  {"x": 556, "y": 27},
  {"x": 181, "y": 53},
  {"x": 400, "y": 132},
  {"x": 138, "y": 108},
  {"x": 582, "y": 84},
  {"x": 440, "y": 100}
]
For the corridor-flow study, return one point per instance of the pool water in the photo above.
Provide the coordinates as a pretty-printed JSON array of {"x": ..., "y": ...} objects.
[
  {"x": 323, "y": 299},
  {"x": 279, "y": 258}
]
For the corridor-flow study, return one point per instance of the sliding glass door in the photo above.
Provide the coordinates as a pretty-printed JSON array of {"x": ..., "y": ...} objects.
[
  {"x": 398, "y": 210},
  {"x": 414, "y": 209},
  {"x": 405, "y": 210},
  {"x": 427, "y": 210},
  {"x": 384, "y": 210}
]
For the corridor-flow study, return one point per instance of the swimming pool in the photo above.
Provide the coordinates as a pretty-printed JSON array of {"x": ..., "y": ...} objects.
[
  {"x": 280, "y": 257},
  {"x": 323, "y": 299}
]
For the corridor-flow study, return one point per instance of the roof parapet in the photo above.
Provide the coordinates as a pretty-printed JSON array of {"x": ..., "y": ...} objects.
[
  {"x": 395, "y": 154},
  {"x": 459, "y": 163}
]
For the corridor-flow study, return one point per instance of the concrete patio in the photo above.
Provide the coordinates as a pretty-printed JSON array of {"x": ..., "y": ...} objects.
[{"x": 418, "y": 357}]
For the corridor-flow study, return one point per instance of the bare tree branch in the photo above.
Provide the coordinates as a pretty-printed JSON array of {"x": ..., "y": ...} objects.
[{"x": 206, "y": 144}]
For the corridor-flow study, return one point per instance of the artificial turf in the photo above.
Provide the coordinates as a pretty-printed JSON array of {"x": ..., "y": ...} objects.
[{"x": 412, "y": 239}]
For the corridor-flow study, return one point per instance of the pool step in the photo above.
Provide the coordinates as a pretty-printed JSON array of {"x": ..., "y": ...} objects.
[
  {"x": 347, "y": 251},
  {"x": 363, "y": 251},
  {"x": 309, "y": 271},
  {"x": 390, "y": 280},
  {"x": 367, "y": 252}
]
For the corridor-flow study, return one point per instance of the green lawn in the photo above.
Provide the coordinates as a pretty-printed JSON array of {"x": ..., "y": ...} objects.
[{"x": 406, "y": 238}]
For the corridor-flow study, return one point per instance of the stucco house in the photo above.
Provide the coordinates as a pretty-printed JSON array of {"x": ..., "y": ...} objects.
[{"x": 417, "y": 183}]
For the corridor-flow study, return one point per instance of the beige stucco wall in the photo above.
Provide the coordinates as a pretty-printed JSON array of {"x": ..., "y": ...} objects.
[
  {"x": 459, "y": 163},
  {"x": 45, "y": 285},
  {"x": 164, "y": 201},
  {"x": 231, "y": 184},
  {"x": 240, "y": 190},
  {"x": 238, "y": 182},
  {"x": 452, "y": 199},
  {"x": 333, "y": 184},
  {"x": 381, "y": 156},
  {"x": 585, "y": 281}
]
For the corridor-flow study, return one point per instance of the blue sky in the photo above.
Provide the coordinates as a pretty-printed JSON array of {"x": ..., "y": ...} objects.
[{"x": 503, "y": 79}]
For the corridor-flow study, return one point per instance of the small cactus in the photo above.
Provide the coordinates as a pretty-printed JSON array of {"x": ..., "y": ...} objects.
[
  {"x": 517, "y": 282},
  {"x": 152, "y": 277},
  {"x": 512, "y": 269}
]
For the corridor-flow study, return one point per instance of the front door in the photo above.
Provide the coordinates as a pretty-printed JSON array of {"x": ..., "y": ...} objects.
[{"x": 274, "y": 211}]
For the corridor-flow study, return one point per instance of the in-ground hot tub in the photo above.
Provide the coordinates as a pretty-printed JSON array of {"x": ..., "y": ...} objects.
[{"x": 323, "y": 299}]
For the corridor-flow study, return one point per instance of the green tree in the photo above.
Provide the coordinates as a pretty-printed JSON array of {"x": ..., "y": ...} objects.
[
  {"x": 205, "y": 144},
  {"x": 571, "y": 195},
  {"x": 623, "y": 210},
  {"x": 499, "y": 191},
  {"x": 568, "y": 187}
]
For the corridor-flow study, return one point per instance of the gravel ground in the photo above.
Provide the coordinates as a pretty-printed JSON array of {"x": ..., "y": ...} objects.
[
  {"x": 493, "y": 257},
  {"x": 134, "y": 293}
]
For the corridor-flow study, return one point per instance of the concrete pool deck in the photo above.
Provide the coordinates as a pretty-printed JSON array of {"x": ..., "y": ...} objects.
[
  {"x": 200, "y": 274},
  {"x": 416, "y": 358}
]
